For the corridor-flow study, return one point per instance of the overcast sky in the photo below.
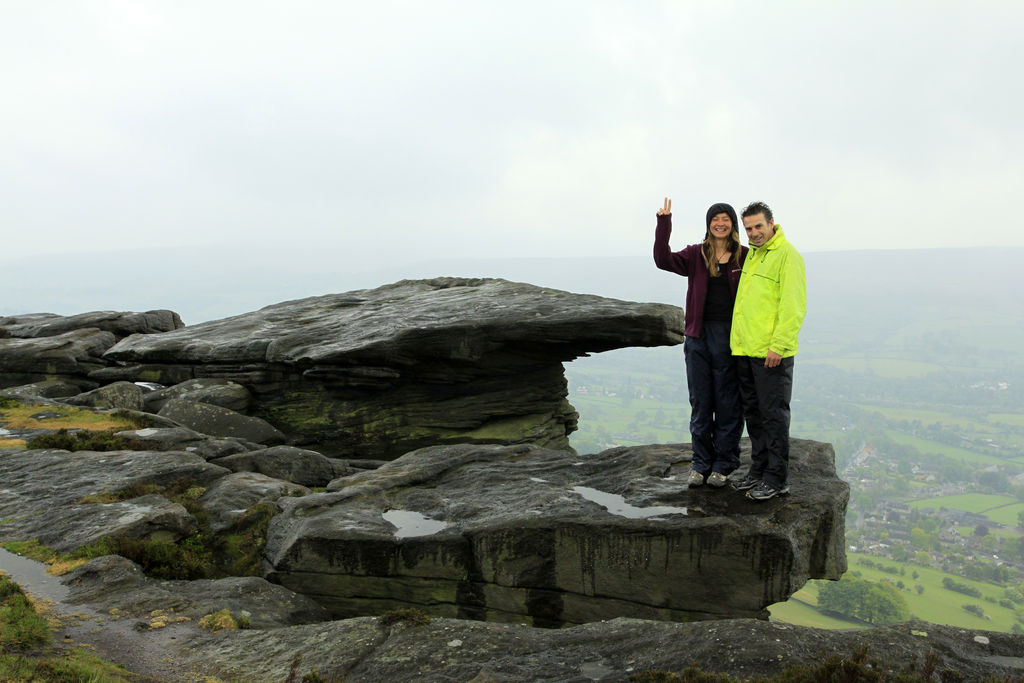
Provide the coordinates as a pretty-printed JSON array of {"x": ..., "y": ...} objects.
[{"x": 388, "y": 131}]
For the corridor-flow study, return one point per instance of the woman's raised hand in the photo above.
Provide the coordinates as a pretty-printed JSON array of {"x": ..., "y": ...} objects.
[{"x": 667, "y": 210}]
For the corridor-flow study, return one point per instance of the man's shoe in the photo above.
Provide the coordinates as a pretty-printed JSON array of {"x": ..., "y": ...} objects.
[
  {"x": 695, "y": 478},
  {"x": 717, "y": 480},
  {"x": 764, "y": 491},
  {"x": 746, "y": 483}
]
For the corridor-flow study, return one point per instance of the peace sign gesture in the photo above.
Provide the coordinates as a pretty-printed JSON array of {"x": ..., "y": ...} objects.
[{"x": 667, "y": 210}]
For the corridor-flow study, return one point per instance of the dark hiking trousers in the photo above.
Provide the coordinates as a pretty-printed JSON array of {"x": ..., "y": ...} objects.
[
  {"x": 766, "y": 393},
  {"x": 716, "y": 413}
]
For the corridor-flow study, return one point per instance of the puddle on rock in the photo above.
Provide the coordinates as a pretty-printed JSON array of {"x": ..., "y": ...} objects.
[
  {"x": 409, "y": 524},
  {"x": 617, "y": 505}
]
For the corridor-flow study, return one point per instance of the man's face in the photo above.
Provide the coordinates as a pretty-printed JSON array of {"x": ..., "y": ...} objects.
[
  {"x": 721, "y": 225},
  {"x": 759, "y": 229}
]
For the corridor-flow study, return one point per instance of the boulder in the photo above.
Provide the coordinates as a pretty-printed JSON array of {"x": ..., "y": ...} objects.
[
  {"x": 188, "y": 440},
  {"x": 376, "y": 373},
  {"x": 526, "y": 534},
  {"x": 42, "y": 491},
  {"x": 216, "y": 421},
  {"x": 218, "y": 392},
  {"x": 125, "y": 395},
  {"x": 120, "y": 324},
  {"x": 231, "y": 496},
  {"x": 67, "y": 357},
  {"x": 289, "y": 463},
  {"x": 120, "y": 587},
  {"x": 51, "y": 388}
]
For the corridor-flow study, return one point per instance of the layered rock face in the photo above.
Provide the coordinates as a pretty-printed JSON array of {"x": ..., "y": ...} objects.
[
  {"x": 44, "y": 346},
  {"x": 531, "y": 535},
  {"x": 376, "y": 373}
]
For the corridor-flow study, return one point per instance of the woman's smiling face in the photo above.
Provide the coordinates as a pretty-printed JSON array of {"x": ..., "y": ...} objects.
[{"x": 721, "y": 225}]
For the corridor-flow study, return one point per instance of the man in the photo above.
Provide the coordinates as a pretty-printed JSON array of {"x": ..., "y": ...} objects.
[{"x": 771, "y": 301}]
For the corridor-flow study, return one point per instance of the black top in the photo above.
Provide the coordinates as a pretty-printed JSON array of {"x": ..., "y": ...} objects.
[{"x": 718, "y": 304}]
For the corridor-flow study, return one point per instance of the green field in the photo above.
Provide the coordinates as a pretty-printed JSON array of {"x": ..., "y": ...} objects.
[
  {"x": 935, "y": 604},
  {"x": 947, "y": 419},
  {"x": 800, "y": 609},
  {"x": 1008, "y": 418},
  {"x": 925, "y": 446},
  {"x": 892, "y": 368},
  {"x": 968, "y": 502},
  {"x": 1007, "y": 514}
]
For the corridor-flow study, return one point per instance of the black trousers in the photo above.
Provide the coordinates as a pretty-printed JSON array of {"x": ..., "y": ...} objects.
[
  {"x": 716, "y": 414},
  {"x": 766, "y": 393}
]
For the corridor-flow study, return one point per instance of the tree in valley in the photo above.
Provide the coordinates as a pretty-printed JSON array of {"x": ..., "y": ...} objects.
[{"x": 876, "y": 603}]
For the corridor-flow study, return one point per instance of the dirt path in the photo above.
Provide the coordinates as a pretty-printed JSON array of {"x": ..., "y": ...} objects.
[{"x": 145, "y": 647}]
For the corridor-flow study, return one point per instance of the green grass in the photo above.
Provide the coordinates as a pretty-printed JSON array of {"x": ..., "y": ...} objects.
[
  {"x": 26, "y": 653},
  {"x": 72, "y": 665},
  {"x": 930, "y": 416},
  {"x": 802, "y": 609},
  {"x": 1016, "y": 419},
  {"x": 936, "y": 604},
  {"x": 21, "y": 628},
  {"x": 925, "y": 447},
  {"x": 968, "y": 502},
  {"x": 893, "y": 368},
  {"x": 1007, "y": 514}
]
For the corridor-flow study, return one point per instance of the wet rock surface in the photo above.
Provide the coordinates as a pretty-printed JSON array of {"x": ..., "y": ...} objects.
[
  {"x": 119, "y": 584},
  {"x": 366, "y": 649},
  {"x": 40, "y": 492},
  {"x": 526, "y": 534},
  {"x": 189, "y": 440},
  {"x": 110, "y": 608},
  {"x": 67, "y": 357},
  {"x": 231, "y": 496},
  {"x": 219, "y": 392},
  {"x": 119, "y": 323},
  {"x": 376, "y": 373},
  {"x": 217, "y": 421},
  {"x": 298, "y": 465}
]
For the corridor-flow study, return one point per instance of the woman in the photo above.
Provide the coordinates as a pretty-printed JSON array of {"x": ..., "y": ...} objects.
[{"x": 712, "y": 269}]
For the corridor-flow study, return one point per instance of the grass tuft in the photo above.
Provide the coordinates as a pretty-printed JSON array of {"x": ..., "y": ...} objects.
[
  {"x": 83, "y": 440},
  {"x": 410, "y": 616},
  {"x": 21, "y": 628},
  {"x": 238, "y": 551},
  {"x": 32, "y": 549},
  {"x": 224, "y": 620}
]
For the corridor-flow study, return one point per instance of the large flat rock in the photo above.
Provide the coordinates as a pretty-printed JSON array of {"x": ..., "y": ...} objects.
[
  {"x": 367, "y": 650},
  {"x": 532, "y": 535},
  {"x": 379, "y": 372}
]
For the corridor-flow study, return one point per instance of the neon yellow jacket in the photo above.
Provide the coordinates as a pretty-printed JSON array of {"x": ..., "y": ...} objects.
[{"x": 771, "y": 300}]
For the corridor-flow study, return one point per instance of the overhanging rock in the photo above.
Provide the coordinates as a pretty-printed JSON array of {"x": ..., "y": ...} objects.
[
  {"x": 526, "y": 534},
  {"x": 377, "y": 373}
]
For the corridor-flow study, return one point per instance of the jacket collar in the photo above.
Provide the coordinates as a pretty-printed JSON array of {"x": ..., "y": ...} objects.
[{"x": 777, "y": 240}]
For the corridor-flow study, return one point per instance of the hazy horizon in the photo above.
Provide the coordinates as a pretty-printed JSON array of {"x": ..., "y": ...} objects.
[{"x": 204, "y": 285}]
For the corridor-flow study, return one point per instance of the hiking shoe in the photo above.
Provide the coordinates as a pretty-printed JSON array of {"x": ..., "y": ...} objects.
[
  {"x": 717, "y": 479},
  {"x": 764, "y": 491},
  {"x": 747, "y": 482},
  {"x": 695, "y": 478}
]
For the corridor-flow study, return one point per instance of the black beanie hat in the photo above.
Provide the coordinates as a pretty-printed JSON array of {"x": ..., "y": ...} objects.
[{"x": 717, "y": 209}]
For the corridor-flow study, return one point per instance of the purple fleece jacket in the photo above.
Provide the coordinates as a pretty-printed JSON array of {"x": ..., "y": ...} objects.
[{"x": 690, "y": 264}]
